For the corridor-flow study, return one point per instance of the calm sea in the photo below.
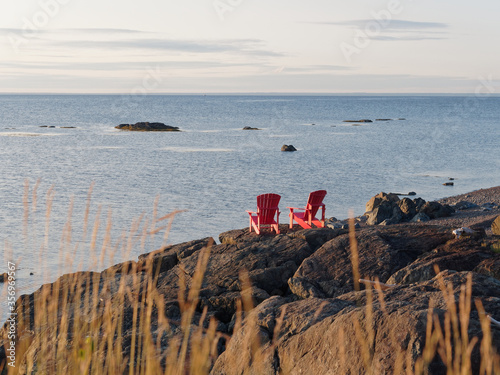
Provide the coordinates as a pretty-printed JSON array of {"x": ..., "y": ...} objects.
[{"x": 214, "y": 170}]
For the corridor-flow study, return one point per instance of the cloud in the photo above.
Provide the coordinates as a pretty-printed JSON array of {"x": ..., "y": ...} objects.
[
  {"x": 308, "y": 69},
  {"x": 126, "y": 40},
  {"x": 104, "y": 31},
  {"x": 391, "y": 24},
  {"x": 397, "y": 30},
  {"x": 119, "y": 65},
  {"x": 247, "y": 47},
  {"x": 409, "y": 38}
]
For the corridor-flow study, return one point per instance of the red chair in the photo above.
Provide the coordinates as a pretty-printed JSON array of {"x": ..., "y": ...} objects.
[
  {"x": 267, "y": 209},
  {"x": 308, "y": 217}
]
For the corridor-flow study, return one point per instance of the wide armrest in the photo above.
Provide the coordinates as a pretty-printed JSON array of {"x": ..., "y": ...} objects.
[
  {"x": 296, "y": 208},
  {"x": 251, "y": 212}
]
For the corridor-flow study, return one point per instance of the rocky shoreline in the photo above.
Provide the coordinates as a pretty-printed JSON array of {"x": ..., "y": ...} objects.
[{"x": 304, "y": 294}]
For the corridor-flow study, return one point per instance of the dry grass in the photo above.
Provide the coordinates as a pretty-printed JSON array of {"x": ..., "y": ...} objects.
[{"x": 80, "y": 325}]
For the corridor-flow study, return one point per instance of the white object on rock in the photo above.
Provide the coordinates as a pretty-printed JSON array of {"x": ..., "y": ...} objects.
[{"x": 458, "y": 232}]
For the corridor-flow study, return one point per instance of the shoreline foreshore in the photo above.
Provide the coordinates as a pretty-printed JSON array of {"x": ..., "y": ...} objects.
[{"x": 300, "y": 290}]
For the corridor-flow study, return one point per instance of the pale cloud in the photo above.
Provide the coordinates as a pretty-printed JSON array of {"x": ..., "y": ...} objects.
[
  {"x": 394, "y": 30},
  {"x": 392, "y": 24}
]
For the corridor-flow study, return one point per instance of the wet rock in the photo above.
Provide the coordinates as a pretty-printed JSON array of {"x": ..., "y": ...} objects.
[
  {"x": 288, "y": 148},
  {"x": 358, "y": 120},
  {"x": 250, "y": 128}
]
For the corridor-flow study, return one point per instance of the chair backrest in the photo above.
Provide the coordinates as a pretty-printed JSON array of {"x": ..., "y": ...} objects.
[
  {"x": 314, "y": 202},
  {"x": 267, "y": 206}
]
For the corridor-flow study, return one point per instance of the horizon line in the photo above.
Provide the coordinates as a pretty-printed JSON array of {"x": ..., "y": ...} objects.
[{"x": 250, "y": 93}]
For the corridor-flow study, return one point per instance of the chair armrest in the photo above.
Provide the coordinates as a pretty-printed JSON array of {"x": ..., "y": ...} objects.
[
  {"x": 296, "y": 208},
  {"x": 251, "y": 212}
]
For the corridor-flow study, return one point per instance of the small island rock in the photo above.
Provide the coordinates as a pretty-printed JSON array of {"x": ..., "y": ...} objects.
[
  {"x": 365, "y": 120},
  {"x": 148, "y": 126},
  {"x": 288, "y": 148}
]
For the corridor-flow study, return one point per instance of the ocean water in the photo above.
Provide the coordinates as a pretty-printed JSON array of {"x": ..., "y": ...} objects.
[{"x": 214, "y": 170}]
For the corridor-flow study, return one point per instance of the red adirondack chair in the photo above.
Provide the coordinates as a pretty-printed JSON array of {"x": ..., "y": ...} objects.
[
  {"x": 267, "y": 209},
  {"x": 308, "y": 217}
]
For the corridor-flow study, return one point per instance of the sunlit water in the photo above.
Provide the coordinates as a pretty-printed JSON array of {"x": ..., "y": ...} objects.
[{"x": 214, "y": 170}]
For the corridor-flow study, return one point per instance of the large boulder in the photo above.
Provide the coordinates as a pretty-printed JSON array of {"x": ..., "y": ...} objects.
[
  {"x": 382, "y": 252},
  {"x": 148, "y": 126},
  {"x": 435, "y": 210},
  {"x": 495, "y": 227},
  {"x": 385, "y": 213},
  {"x": 408, "y": 208},
  {"x": 378, "y": 199},
  {"x": 458, "y": 255}
]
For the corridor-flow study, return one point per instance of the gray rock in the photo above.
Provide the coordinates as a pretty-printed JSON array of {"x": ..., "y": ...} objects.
[
  {"x": 420, "y": 218},
  {"x": 435, "y": 210},
  {"x": 377, "y": 200},
  {"x": 419, "y": 203},
  {"x": 464, "y": 205},
  {"x": 387, "y": 212},
  {"x": 336, "y": 225},
  {"x": 408, "y": 208}
]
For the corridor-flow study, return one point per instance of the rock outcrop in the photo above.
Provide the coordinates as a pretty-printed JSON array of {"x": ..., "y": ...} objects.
[
  {"x": 310, "y": 312},
  {"x": 386, "y": 209},
  {"x": 148, "y": 126}
]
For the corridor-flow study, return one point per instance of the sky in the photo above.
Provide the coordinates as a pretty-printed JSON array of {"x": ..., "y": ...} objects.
[{"x": 249, "y": 46}]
